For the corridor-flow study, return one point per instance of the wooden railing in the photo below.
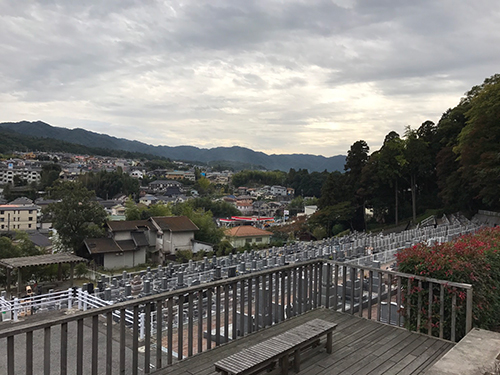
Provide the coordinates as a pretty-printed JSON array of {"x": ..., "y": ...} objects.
[
  {"x": 437, "y": 308},
  {"x": 188, "y": 321}
]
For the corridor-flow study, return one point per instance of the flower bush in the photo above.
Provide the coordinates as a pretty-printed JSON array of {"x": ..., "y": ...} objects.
[{"x": 472, "y": 259}]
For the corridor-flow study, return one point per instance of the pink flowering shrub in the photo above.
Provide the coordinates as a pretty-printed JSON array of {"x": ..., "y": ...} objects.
[{"x": 472, "y": 259}]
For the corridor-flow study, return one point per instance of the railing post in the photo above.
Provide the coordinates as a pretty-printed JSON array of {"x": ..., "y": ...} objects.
[
  {"x": 419, "y": 305},
  {"x": 468, "y": 318},
  {"x": 10, "y": 355},
  {"x": 453, "y": 314},
  {"x": 16, "y": 309},
  {"x": 70, "y": 298},
  {"x": 328, "y": 283},
  {"x": 142, "y": 326},
  {"x": 344, "y": 283},
  {"x": 85, "y": 301},
  {"x": 79, "y": 296},
  {"x": 336, "y": 288}
]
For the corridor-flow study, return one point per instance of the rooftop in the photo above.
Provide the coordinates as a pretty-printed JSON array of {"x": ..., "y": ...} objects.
[
  {"x": 101, "y": 245},
  {"x": 40, "y": 260},
  {"x": 175, "y": 223},
  {"x": 129, "y": 225},
  {"x": 246, "y": 231}
]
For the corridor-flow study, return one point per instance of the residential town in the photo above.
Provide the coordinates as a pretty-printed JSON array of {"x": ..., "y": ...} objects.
[{"x": 153, "y": 240}]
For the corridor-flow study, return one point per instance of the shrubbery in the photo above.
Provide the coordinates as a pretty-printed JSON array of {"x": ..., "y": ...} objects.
[{"x": 472, "y": 259}]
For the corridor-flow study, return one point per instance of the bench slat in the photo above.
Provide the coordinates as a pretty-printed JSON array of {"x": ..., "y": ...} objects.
[{"x": 263, "y": 354}]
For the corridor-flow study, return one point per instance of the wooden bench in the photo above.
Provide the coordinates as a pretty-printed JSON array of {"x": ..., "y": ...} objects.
[{"x": 278, "y": 348}]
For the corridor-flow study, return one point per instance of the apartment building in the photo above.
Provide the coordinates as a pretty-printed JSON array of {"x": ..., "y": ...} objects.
[
  {"x": 28, "y": 174},
  {"x": 18, "y": 217}
]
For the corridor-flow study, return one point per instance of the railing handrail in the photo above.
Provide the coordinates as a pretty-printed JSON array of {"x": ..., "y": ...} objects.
[
  {"x": 15, "y": 330},
  {"x": 406, "y": 275}
]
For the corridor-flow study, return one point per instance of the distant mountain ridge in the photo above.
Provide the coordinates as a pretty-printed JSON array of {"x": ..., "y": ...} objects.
[{"x": 282, "y": 162}]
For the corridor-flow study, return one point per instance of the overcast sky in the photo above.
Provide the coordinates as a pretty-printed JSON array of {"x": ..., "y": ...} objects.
[{"x": 275, "y": 76}]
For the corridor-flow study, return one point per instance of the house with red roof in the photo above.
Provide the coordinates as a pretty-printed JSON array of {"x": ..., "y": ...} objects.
[{"x": 247, "y": 234}]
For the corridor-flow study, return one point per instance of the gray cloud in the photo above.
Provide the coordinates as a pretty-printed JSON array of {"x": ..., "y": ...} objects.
[{"x": 280, "y": 77}]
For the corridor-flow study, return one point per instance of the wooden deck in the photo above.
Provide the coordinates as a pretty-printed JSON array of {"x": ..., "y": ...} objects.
[{"x": 360, "y": 346}]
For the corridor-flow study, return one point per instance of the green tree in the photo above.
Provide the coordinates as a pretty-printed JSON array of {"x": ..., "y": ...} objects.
[
  {"x": 356, "y": 159},
  {"x": 418, "y": 162},
  {"x": 296, "y": 205},
  {"x": 49, "y": 174},
  {"x": 108, "y": 184},
  {"x": 478, "y": 142},
  {"x": 334, "y": 190},
  {"x": 208, "y": 230},
  {"x": 19, "y": 181},
  {"x": 203, "y": 185},
  {"x": 218, "y": 208},
  {"x": 159, "y": 209},
  {"x": 8, "y": 249},
  {"x": 25, "y": 245},
  {"x": 132, "y": 212},
  {"x": 391, "y": 162},
  {"x": 451, "y": 184},
  {"x": 76, "y": 215}
]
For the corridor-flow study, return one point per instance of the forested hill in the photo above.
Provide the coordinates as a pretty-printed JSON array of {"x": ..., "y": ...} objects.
[
  {"x": 11, "y": 142},
  {"x": 188, "y": 153}
]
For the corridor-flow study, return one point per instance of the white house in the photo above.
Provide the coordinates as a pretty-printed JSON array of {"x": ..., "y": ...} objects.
[
  {"x": 278, "y": 190},
  {"x": 137, "y": 174},
  {"x": 173, "y": 233},
  {"x": 148, "y": 199}
]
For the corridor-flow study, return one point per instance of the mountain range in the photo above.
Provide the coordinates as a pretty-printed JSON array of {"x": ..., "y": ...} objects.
[{"x": 313, "y": 163}]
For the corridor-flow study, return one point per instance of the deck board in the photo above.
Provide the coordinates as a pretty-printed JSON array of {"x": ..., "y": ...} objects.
[{"x": 360, "y": 347}]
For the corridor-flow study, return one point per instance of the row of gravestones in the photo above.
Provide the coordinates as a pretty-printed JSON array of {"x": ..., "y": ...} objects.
[{"x": 343, "y": 249}]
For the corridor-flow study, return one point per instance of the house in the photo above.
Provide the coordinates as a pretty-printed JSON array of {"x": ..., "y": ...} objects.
[
  {"x": 20, "y": 214},
  {"x": 172, "y": 191},
  {"x": 162, "y": 185},
  {"x": 175, "y": 175},
  {"x": 245, "y": 208},
  {"x": 127, "y": 245},
  {"x": 262, "y": 208},
  {"x": 171, "y": 199},
  {"x": 148, "y": 200},
  {"x": 309, "y": 210},
  {"x": 242, "y": 190},
  {"x": 230, "y": 199},
  {"x": 107, "y": 204},
  {"x": 173, "y": 233},
  {"x": 106, "y": 252},
  {"x": 202, "y": 246},
  {"x": 277, "y": 190},
  {"x": 41, "y": 241},
  {"x": 190, "y": 176},
  {"x": 118, "y": 212},
  {"x": 137, "y": 174},
  {"x": 246, "y": 234}
]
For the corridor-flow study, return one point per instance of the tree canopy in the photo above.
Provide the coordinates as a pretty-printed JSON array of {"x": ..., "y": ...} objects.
[{"x": 75, "y": 216}]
